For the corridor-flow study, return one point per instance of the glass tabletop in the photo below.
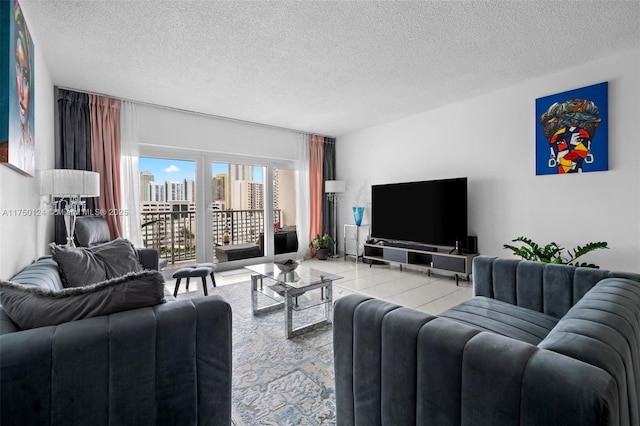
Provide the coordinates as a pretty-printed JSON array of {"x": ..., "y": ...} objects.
[{"x": 301, "y": 277}]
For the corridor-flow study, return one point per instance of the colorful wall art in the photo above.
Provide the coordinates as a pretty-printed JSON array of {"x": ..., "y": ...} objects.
[
  {"x": 572, "y": 131},
  {"x": 17, "y": 144}
]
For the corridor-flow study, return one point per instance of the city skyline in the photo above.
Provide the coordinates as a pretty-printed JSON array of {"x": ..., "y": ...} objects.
[
  {"x": 175, "y": 183},
  {"x": 177, "y": 170},
  {"x": 170, "y": 180}
]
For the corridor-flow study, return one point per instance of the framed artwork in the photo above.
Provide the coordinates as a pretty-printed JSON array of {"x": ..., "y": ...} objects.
[
  {"x": 572, "y": 131},
  {"x": 17, "y": 144}
]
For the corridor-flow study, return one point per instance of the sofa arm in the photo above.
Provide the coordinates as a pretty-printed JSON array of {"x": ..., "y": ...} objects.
[
  {"x": 395, "y": 365},
  {"x": 371, "y": 339},
  {"x": 149, "y": 258},
  {"x": 167, "y": 364},
  {"x": 603, "y": 329}
]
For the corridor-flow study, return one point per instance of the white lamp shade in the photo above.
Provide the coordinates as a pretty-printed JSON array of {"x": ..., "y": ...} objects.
[
  {"x": 334, "y": 186},
  {"x": 67, "y": 182}
]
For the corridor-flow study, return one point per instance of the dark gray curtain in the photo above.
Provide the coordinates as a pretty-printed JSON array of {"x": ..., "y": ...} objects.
[
  {"x": 328, "y": 173},
  {"x": 73, "y": 142}
]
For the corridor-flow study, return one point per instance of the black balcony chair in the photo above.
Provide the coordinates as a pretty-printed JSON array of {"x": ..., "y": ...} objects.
[{"x": 285, "y": 240}]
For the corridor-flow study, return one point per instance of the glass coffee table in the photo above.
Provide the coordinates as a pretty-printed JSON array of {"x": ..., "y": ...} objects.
[{"x": 292, "y": 291}]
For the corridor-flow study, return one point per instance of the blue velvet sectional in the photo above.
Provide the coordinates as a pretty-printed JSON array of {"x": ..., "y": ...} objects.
[
  {"x": 538, "y": 344},
  {"x": 168, "y": 364}
]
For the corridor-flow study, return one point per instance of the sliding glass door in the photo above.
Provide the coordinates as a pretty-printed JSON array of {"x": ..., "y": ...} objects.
[{"x": 202, "y": 207}]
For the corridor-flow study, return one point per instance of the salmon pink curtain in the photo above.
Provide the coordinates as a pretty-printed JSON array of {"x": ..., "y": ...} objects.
[
  {"x": 303, "y": 215},
  {"x": 316, "y": 184},
  {"x": 105, "y": 157}
]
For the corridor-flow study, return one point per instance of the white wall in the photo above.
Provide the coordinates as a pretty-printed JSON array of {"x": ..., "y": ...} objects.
[
  {"x": 491, "y": 140},
  {"x": 24, "y": 238}
]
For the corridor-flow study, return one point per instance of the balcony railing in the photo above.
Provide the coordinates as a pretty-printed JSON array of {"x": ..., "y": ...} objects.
[{"x": 174, "y": 234}]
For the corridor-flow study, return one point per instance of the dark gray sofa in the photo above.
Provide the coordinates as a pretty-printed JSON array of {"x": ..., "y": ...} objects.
[
  {"x": 538, "y": 344},
  {"x": 168, "y": 364}
]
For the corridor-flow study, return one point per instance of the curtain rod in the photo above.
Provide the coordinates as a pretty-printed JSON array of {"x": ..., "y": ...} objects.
[{"x": 237, "y": 120}]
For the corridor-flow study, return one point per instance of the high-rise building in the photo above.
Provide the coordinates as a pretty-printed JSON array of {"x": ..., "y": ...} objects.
[
  {"x": 157, "y": 191},
  {"x": 174, "y": 191},
  {"x": 284, "y": 195},
  {"x": 145, "y": 179},
  {"x": 218, "y": 206},
  {"x": 184, "y": 190},
  {"x": 256, "y": 191},
  {"x": 248, "y": 195},
  {"x": 189, "y": 190},
  {"x": 238, "y": 173},
  {"x": 220, "y": 188}
]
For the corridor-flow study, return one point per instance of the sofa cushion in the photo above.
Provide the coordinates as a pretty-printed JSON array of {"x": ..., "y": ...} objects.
[
  {"x": 91, "y": 231},
  {"x": 80, "y": 266},
  {"x": 31, "y": 307},
  {"x": 42, "y": 273},
  {"x": 6, "y": 324},
  {"x": 503, "y": 318}
]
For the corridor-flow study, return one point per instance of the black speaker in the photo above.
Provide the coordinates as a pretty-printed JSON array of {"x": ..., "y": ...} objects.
[{"x": 472, "y": 244}]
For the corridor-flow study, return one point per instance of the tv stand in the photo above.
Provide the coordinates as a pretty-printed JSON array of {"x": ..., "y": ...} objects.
[
  {"x": 427, "y": 258},
  {"x": 408, "y": 246}
]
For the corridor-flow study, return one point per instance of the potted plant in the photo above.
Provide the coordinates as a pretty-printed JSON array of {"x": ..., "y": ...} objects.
[
  {"x": 322, "y": 245},
  {"x": 552, "y": 252}
]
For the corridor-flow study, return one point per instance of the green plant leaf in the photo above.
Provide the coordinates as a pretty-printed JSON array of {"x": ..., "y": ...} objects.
[
  {"x": 523, "y": 252},
  {"x": 552, "y": 252},
  {"x": 580, "y": 251},
  {"x": 325, "y": 241}
]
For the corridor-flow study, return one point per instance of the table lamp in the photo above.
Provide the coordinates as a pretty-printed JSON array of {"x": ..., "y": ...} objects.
[{"x": 66, "y": 188}]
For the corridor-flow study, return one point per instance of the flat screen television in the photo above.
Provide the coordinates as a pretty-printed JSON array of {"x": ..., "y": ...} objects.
[{"x": 432, "y": 213}]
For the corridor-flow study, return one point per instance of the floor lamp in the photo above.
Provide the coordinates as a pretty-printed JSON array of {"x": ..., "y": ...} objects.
[
  {"x": 333, "y": 188},
  {"x": 69, "y": 187}
]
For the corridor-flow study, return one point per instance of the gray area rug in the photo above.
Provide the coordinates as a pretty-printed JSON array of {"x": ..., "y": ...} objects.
[{"x": 279, "y": 381}]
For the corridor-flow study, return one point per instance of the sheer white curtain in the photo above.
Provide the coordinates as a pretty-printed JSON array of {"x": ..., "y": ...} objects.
[
  {"x": 302, "y": 199},
  {"x": 129, "y": 175}
]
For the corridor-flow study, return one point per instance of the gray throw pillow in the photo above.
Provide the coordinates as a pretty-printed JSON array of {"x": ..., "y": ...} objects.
[
  {"x": 81, "y": 266},
  {"x": 31, "y": 307}
]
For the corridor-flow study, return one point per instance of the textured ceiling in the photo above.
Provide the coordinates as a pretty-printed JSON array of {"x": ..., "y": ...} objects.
[{"x": 327, "y": 67}]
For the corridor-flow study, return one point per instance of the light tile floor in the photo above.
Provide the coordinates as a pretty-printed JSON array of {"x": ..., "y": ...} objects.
[{"x": 407, "y": 287}]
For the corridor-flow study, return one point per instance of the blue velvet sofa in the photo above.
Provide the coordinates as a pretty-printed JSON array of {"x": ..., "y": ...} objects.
[
  {"x": 538, "y": 344},
  {"x": 167, "y": 364}
]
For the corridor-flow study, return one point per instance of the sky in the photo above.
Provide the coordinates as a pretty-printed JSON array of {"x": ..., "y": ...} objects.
[{"x": 177, "y": 170}]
